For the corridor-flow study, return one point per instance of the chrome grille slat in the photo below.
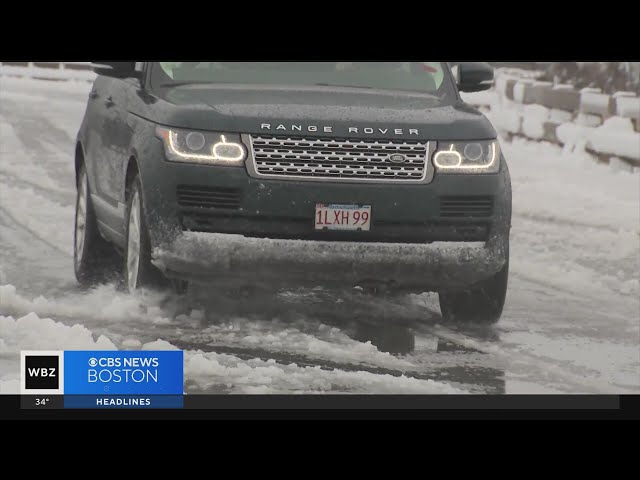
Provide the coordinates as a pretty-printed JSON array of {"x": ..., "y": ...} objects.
[{"x": 317, "y": 158}]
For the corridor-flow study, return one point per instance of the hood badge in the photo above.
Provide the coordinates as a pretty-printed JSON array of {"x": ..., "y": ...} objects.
[{"x": 397, "y": 158}]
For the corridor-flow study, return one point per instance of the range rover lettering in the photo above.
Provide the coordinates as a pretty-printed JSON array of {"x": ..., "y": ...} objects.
[{"x": 295, "y": 174}]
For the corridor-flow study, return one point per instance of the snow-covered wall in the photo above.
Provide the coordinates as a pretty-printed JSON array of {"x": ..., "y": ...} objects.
[
  {"x": 605, "y": 125},
  {"x": 49, "y": 70}
]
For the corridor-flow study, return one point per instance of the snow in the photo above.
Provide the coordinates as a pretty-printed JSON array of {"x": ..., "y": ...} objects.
[
  {"x": 572, "y": 134},
  {"x": 158, "y": 345},
  {"x": 215, "y": 372},
  {"x": 203, "y": 371},
  {"x": 619, "y": 165},
  {"x": 219, "y": 246},
  {"x": 486, "y": 97},
  {"x": 627, "y": 106},
  {"x": 500, "y": 87},
  {"x": 506, "y": 119},
  {"x": 131, "y": 343},
  {"x": 616, "y": 136},
  {"x": 533, "y": 120},
  {"x": 583, "y": 232},
  {"x": 595, "y": 103},
  {"x": 519, "y": 90},
  {"x": 49, "y": 73},
  {"x": 103, "y": 304},
  {"x": 30, "y": 332},
  {"x": 319, "y": 341},
  {"x": 236, "y": 255},
  {"x": 560, "y": 116},
  {"x": 588, "y": 120}
]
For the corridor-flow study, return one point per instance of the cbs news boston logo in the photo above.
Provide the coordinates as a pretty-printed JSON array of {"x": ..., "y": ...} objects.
[{"x": 85, "y": 377}]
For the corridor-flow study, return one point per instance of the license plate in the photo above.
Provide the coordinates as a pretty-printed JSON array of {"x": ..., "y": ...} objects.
[{"x": 342, "y": 217}]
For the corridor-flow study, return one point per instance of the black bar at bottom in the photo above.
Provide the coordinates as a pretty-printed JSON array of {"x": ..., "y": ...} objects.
[
  {"x": 401, "y": 402},
  {"x": 370, "y": 402}
]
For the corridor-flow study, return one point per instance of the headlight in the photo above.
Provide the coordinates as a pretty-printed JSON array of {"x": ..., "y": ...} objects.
[
  {"x": 467, "y": 157},
  {"x": 202, "y": 147}
]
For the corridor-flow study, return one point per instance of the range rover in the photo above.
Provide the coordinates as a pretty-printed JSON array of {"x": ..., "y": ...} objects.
[{"x": 339, "y": 174}]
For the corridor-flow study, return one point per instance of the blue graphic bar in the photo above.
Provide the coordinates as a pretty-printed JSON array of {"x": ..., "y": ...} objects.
[
  {"x": 123, "y": 401},
  {"x": 125, "y": 372}
]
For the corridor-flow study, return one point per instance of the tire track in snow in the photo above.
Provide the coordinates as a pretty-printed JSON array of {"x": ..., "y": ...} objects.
[
  {"x": 32, "y": 232},
  {"x": 60, "y": 195},
  {"x": 542, "y": 364},
  {"x": 486, "y": 379},
  {"x": 47, "y": 146},
  {"x": 28, "y": 263}
]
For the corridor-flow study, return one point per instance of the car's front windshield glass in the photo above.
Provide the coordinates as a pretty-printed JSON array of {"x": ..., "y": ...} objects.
[{"x": 426, "y": 77}]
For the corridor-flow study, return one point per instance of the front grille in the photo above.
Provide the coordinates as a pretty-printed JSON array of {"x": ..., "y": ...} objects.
[
  {"x": 463, "y": 206},
  {"x": 208, "y": 197},
  {"x": 336, "y": 159}
]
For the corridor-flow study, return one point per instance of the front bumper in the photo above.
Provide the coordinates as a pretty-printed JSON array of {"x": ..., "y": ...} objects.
[
  {"x": 234, "y": 260},
  {"x": 261, "y": 230}
]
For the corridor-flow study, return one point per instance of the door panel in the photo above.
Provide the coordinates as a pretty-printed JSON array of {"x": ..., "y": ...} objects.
[
  {"x": 94, "y": 143},
  {"x": 117, "y": 138}
]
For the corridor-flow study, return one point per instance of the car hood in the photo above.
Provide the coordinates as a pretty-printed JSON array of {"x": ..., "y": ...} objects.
[{"x": 317, "y": 111}]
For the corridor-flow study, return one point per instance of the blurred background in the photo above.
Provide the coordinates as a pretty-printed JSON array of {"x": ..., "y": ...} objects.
[{"x": 610, "y": 77}]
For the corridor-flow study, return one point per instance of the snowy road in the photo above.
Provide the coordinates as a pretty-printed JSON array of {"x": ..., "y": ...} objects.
[{"x": 571, "y": 322}]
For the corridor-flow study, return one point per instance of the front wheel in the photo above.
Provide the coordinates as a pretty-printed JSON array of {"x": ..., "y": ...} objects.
[
  {"x": 481, "y": 304},
  {"x": 138, "y": 269},
  {"x": 94, "y": 259}
]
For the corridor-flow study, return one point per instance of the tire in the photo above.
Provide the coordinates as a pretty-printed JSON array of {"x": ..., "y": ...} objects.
[
  {"x": 139, "y": 272},
  {"x": 482, "y": 304},
  {"x": 95, "y": 261}
]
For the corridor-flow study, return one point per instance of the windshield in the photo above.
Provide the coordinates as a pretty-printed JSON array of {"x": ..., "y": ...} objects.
[{"x": 427, "y": 77}]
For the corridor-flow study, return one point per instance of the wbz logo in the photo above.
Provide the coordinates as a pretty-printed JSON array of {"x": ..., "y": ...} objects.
[{"x": 41, "y": 372}]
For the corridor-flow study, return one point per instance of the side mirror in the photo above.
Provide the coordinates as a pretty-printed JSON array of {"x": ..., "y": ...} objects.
[
  {"x": 474, "y": 76},
  {"x": 116, "y": 69}
]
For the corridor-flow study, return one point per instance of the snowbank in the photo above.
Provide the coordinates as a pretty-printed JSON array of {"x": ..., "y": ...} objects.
[
  {"x": 226, "y": 373},
  {"x": 31, "y": 332},
  {"x": 204, "y": 372},
  {"x": 606, "y": 125},
  {"x": 617, "y": 137}
]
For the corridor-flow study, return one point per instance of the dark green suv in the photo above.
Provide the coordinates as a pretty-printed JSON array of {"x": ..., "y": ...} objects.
[{"x": 340, "y": 174}]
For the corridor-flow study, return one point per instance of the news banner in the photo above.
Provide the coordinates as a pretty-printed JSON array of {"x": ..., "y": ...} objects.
[
  {"x": 101, "y": 379},
  {"x": 127, "y": 379}
]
